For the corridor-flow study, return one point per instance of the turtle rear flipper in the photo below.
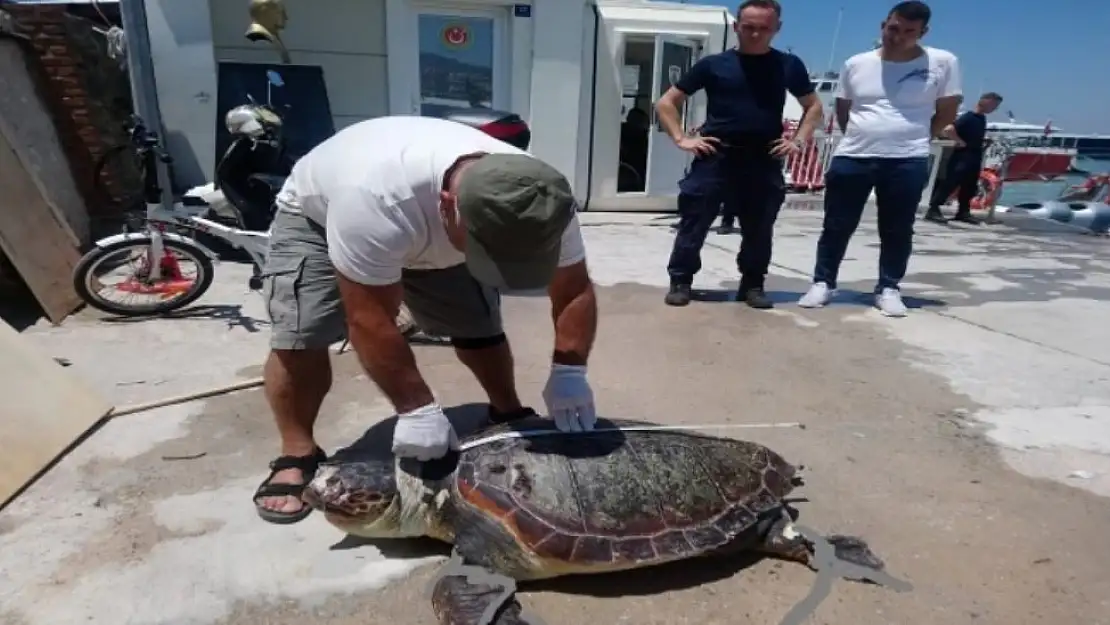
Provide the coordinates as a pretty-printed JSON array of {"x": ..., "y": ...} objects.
[
  {"x": 854, "y": 550},
  {"x": 788, "y": 541},
  {"x": 477, "y": 598}
]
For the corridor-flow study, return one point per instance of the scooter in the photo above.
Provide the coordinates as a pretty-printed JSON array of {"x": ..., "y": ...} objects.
[{"x": 253, "y": 168}]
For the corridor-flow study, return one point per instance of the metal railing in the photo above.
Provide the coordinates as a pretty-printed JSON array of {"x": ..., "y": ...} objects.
[{"x": 805, "y": 171}]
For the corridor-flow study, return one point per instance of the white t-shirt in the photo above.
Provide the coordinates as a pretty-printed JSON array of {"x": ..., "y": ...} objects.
[
  {"x": 893, "y": 103},
  {"x": 375, "y": 187}
]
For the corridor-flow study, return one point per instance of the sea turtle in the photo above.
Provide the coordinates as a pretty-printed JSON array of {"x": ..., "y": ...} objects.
[{"x": 530, "y": 508}]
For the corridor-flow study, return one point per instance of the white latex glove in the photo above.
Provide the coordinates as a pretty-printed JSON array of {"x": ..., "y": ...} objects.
[
  {"x": 569, "y": 399},
  {"x": 424, "y": 434}
]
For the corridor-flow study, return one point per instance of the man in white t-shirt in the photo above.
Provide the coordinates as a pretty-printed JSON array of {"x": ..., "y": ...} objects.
[
  {"x": 438, "y": 215},
  {"x": 892, "y": 101}
]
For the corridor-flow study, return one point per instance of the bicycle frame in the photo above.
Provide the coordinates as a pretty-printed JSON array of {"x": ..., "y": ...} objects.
[
  {"x": 158, "y": 218},
  {"x": 253, "y": 243}
]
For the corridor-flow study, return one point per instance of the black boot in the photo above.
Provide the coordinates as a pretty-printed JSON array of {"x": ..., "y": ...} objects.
[
  {"x": 754, "y": 297},
  {"x": 727, "y": 227},
  {"x": 965, "y": 217},
  {"x": 934, "y": 215},
  {"x": 678, "y": 295}
]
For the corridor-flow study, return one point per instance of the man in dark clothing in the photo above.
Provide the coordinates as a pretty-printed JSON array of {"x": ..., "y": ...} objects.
[
  {"x": 739, "y": 150},
  {"x": 962, "y": 172}
]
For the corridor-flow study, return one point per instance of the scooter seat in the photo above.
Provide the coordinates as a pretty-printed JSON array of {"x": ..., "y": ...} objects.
[{"x": 271, "y": 181}]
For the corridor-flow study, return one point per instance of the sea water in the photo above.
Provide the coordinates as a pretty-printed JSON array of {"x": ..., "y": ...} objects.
[{"x": 1020, "y": 192}]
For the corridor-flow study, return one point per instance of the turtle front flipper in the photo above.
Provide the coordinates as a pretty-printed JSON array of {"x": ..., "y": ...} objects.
[{"x": 472, "y": 595}]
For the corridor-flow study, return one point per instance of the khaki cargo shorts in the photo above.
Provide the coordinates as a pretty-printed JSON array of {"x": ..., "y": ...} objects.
[{"x": 302, "y": 294}]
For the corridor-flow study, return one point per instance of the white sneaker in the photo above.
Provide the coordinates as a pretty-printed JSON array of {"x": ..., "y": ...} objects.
[
  {"x": 889, "y": 302},
  {"x": 817, "y": 296}
]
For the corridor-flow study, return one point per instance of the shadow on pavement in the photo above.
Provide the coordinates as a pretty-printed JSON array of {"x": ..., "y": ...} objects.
[
  {"x": 232, "y": 313},
  {"x": 729, "y": 295},
  {"x": 652, "y": 580},
  {"x": 790, "y": 298}
]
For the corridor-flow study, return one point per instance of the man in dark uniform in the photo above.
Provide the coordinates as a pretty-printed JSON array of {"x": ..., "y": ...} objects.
[
  {"x": 962, "y": 172},
  {"x": 738, "y": 152}
]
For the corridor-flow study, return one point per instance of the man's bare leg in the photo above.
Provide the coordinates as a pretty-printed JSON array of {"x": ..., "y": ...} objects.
[
  {"x": 295, "y": 382},
  {"x": 493, "y": 367}
]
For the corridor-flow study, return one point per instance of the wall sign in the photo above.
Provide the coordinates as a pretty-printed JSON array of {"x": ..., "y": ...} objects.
[
  {"x": 522, "y": 10},
  {"x": 455, "y": 36}
]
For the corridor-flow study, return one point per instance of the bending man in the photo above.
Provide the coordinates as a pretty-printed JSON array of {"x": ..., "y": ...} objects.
[{"x": 440, "y": 216}]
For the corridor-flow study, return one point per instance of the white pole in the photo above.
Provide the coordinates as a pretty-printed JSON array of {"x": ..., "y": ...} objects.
[{"x": 836, "y": 38}]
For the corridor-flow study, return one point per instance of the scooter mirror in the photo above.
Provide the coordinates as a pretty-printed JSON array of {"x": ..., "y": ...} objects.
[{"x": 274, "y": 78}]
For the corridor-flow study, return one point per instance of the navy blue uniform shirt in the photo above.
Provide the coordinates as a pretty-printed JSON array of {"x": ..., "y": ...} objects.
[
  {"x": 746, "y": 93},
  {"x": 972, "y": 128}
]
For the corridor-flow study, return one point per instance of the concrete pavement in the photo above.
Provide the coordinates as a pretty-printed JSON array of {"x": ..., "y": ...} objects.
[{"x": 969, "y": 442}]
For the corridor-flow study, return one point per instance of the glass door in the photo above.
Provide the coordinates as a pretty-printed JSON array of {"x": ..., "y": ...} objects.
[
  {"x": 460, "y": 61},
  {"x": 636, "y": 58},
  {"x": 666, "y": 163}
]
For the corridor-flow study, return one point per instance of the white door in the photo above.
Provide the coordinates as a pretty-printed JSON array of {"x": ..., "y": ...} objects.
[
  {"x": 666, "y": 163},
  {"x": 461, "y": 59}
]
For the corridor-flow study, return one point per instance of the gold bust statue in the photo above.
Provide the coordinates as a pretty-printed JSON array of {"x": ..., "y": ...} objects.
[{"x": 267, "y": 20}]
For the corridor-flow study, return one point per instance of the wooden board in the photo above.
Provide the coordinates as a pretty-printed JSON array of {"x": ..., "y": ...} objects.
[
  {"x": 39, "y": 246},
  {"x": 45, "y": 410}
]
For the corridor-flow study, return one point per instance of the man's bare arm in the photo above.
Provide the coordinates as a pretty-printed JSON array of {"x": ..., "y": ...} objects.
[
  {"x": 812, "y": 117},
  {"x": 667, "y": 112},
  {"x": 843, "y": 107},
  {"x": 574, "y": 312},
  {"x": 947, "y": 110},
  {"x": 384, "y": 353}
]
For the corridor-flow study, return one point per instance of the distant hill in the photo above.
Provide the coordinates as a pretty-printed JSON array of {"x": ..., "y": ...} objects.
[{"x": 445, "y": 77}]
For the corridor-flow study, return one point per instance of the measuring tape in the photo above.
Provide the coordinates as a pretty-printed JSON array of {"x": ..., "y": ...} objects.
[{"x": 631, "y": 428}]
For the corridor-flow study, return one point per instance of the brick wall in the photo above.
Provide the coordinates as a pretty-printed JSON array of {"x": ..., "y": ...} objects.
[{"x": 88, "y": 97}]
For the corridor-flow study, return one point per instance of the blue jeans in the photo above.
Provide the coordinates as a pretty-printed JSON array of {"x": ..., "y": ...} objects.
[
  {"x": 898, "y": 184},
  {"x": 751, "y": 188}
]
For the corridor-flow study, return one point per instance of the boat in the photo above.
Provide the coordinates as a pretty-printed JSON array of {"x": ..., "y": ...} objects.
[
  {"x": 825, "y": 85},
  {"x": 1092, "y": 146},
  {"x": 1035, "y": 152}
]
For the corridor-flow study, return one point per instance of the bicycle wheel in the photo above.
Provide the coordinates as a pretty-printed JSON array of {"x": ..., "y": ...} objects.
[
  {"x": 117, "y": 178},
  {"x": 174, "y": 290}
]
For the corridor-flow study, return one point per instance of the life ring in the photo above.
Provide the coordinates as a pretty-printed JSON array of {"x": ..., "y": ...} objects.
[{"x": 990, "y": 187}]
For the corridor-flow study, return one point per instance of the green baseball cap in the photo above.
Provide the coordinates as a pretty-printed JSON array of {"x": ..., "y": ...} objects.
[{"x": 515, "y": 209}]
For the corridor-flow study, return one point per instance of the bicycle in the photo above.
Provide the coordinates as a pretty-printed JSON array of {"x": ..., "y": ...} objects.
[{"x": 159, "y": 247}]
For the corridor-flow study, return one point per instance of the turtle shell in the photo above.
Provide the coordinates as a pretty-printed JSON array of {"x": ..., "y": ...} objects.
[{"x": 616, "y": 500}]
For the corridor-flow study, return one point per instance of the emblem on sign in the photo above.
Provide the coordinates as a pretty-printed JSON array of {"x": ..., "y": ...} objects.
[
  {"x": 456, "y": 36},
  {"x": 674, "y": 73}
]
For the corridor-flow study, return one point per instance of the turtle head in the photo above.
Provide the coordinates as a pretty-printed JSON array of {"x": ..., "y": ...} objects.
[{"x": 360, "y": 498}]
